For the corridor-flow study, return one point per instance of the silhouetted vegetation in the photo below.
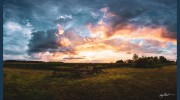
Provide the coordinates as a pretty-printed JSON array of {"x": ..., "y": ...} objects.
[
  {"x": 51, "y": 65},
  {"x": 147, "y": 62},
  {"x": 129, "y": 61},
  {"x": 135, "y": 57},
  {"x": 120, "y": 61},
  {"x": 162, "y": 59}
]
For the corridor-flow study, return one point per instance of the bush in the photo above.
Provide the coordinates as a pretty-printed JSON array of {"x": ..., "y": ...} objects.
[
  {"x": 147, "y": 62},
  {"x": 120, "y": 61}
]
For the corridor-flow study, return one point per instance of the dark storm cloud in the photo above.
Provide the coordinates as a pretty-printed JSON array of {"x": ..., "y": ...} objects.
[
  {"x": 146, "y": 13},
  {"x": 43, "y": 41},
  {"x": 47, "y": 41}
]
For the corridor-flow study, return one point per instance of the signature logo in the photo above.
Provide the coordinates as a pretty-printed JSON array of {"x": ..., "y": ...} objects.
[{"x": 166, "y": 95}]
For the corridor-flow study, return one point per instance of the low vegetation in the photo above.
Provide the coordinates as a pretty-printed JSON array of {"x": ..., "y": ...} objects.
[
  {"x": 111, "y": 84},
  {"x": 77, "y": 71}
]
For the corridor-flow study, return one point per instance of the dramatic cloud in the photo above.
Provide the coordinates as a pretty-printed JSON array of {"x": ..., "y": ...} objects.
[
  {"x": 89, "y": 30},
  {"x": 42, "y": 41}
]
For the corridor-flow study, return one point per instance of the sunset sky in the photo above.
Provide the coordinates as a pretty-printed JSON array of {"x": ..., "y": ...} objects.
[{"x": 88, "y": 30}]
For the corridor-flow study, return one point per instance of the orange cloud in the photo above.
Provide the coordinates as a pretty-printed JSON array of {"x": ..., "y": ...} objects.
[
  {"x": 130, "y": 31},
  {"x": 158, "y": 33},
  {"x": 101, "y": 30},
  {"x": 64, "y": 42}
]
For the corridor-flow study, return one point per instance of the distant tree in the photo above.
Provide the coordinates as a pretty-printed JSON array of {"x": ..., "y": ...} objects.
[
  {"x": 129, "y": 61},
  {"x": 135, "y": 57},
  {"x": 143, "y": 56},
  {"x": 162, "y": 59},
  {"x": 120, "y": 61},
  {"x": 147, "y": 62},
  {"x": 141, "y": 62},
  {"x": 156, "y": 58}
]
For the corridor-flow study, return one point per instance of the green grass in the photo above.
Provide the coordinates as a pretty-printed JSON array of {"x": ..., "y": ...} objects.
[{"x": 111, "y": 84}]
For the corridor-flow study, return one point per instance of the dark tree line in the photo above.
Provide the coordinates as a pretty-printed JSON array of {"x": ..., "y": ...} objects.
[{"x": 147, "y": 62}]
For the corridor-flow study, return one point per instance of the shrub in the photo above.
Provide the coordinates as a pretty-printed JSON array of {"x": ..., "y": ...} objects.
[
  {"x": 120, "y": 61},
  {"x": 146, "y": 62}
]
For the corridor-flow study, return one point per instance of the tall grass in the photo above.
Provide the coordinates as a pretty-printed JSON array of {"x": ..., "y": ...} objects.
[{"x": 111, "y": 84}]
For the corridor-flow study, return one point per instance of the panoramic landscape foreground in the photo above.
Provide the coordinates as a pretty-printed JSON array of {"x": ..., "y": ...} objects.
[{"x": 22, "y": 81}]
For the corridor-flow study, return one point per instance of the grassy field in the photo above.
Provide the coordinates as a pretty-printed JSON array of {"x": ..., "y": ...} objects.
[{"x": 110, "y": 84}]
